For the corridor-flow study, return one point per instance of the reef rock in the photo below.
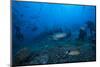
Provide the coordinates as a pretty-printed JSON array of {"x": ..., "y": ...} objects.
[{"x": 21, "y": 56}]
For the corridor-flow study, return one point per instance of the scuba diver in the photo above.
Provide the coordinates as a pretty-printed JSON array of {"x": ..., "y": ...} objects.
[
  {"x": 82, "y": 34},
  {"x": 18, "y": 33}
]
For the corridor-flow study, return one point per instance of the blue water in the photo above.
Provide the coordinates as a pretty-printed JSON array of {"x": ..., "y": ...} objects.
[{"x": 33, "y": 22}]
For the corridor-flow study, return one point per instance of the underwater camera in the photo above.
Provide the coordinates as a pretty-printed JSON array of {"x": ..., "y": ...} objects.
[{"x": 52, "y": 33}]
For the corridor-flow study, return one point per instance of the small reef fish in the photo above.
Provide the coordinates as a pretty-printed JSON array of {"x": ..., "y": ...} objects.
[
  {"x": 82, "y": 28},
  {"x": 75, "y": 52},
  {"x": 58, "y": 36}
]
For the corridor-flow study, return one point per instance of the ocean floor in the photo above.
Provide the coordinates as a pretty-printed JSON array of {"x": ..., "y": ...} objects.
[{"x": 49, "y": 51}]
